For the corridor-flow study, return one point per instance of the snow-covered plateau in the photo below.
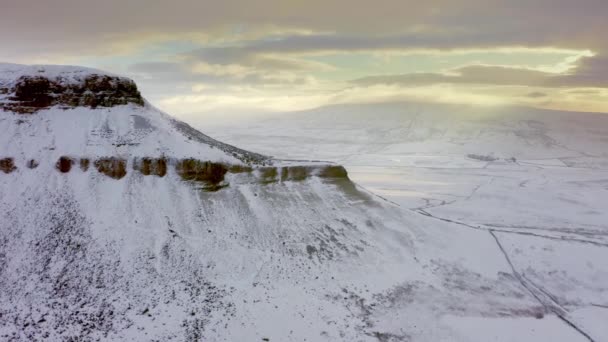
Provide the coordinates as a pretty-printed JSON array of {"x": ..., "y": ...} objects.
[{"x": 121, "y": 223}]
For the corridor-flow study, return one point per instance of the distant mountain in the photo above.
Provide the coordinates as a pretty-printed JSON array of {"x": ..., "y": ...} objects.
[{"x": 429, "y": 128}]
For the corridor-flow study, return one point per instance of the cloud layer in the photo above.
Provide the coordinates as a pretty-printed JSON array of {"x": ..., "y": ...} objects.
[
  {"x": 591, "y": 72},
  {"x": 324, "y": 49}
]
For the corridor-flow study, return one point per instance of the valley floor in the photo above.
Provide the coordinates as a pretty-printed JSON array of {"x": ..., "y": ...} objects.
[{"x": 546, "y": 214}]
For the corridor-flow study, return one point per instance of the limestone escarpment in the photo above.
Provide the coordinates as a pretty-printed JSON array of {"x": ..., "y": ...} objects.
[
  {"x": 31, "y": 93},
  {"x": 151, "y": 166},
  {"x": 209, "y": 175}
]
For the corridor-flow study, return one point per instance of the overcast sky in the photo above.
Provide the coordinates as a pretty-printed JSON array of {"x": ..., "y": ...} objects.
[{"x": 195, "y": 56}]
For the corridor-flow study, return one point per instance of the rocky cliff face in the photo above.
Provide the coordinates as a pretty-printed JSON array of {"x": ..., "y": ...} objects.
[{"x": 31, "y": 93}]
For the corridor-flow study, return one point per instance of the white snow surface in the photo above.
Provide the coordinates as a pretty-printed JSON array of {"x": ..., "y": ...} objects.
[
  {"x": 87, "y": 257},
  {"x": 533, "y": 179},
  {"x": 69, "y": 74},
  {"x": 122, "y": 131}
]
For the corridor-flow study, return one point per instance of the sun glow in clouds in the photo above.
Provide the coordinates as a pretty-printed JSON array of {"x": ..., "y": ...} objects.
[{"x": 193, "y": 57}]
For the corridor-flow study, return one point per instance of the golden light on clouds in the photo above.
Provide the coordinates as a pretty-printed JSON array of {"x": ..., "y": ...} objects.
[{"x": 196, "y": 56}]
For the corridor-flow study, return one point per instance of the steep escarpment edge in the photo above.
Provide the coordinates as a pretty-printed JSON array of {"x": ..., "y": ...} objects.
[
  {"x": 207, "y": 175},
  {"x": 28, "y": 89}
]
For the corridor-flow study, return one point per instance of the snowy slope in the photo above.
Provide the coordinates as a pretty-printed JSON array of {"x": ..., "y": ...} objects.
[
  {"x": 131, "y": 129},
  {"x": 432, "y": 129},
  {"x": 536, "y": 178},
  {"x": 549, "y": 167},
  {"x": 281, "y": 251}
]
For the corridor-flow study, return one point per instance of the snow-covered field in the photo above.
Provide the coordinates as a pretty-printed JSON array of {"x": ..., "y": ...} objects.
[{"x": 536, "y": 180}]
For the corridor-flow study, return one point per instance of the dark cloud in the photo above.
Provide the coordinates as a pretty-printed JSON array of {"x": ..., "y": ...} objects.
[
  {"x": 591, "y": 72},
  {"x": 323, "y": 43},
  {"x": 251, "y": 56},
  {"x": 183, "y": 73},
  {"x": 355, "y": 24},
  {"x": 536, "y": 95}
]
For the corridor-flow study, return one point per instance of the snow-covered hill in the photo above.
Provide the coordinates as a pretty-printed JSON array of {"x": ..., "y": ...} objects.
[
  {"x": 486, "y": 165},
  {"x": 424, "y": 128},
  {"x": 119, "y": 222}
]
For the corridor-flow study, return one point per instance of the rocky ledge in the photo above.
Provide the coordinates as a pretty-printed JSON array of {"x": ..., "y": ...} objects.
[
  {"x": 28, "y": 92},
  {"x": 206, "y": 175}
]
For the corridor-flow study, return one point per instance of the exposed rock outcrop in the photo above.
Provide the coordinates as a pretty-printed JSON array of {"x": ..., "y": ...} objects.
[
  {"x": 64, "y": 164},
  {"x": 151, "y": 166},
  {"x": 32, "y": 164},
  {"x": 112, "y": 167},
  {"x": 30, "y": 93},
  {"x": 7, "y": 165},
  {"x": 84, "y": 164},
  {"x": 209, "y": 173},
  {"x": 292, "y": 173}
]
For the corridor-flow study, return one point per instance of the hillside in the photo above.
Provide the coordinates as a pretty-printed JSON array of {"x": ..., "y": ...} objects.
[{"x": 120, "y": 222}]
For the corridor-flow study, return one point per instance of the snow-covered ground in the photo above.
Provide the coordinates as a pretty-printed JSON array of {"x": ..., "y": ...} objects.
[
  {"x": 536, "y": 180},
  {"x": 467, "y": 225}
]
